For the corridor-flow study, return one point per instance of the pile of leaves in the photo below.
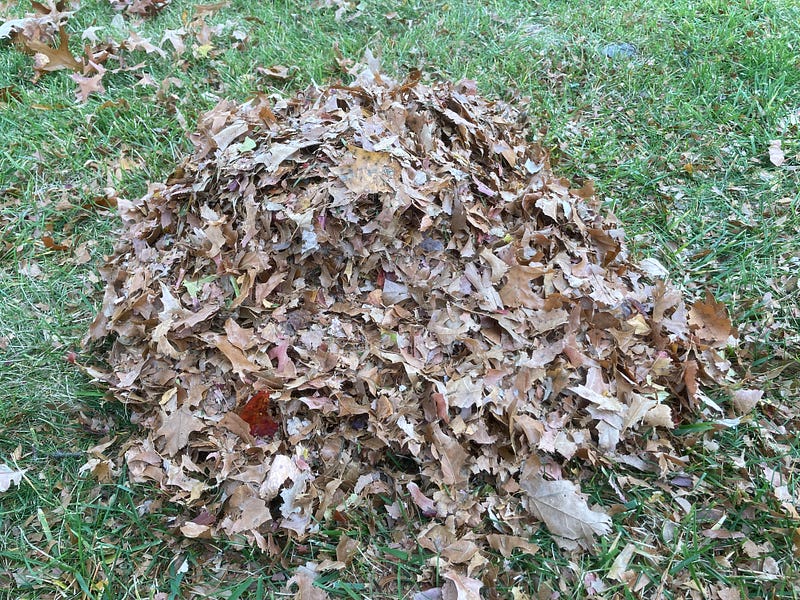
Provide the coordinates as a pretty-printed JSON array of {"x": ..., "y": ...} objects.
[{"x": 379, "y": 294}]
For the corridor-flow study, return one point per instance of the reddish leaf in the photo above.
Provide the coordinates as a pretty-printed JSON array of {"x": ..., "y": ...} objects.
[
  {"x": 51, "y": 244},
  {"x": 256, "y": 414}
]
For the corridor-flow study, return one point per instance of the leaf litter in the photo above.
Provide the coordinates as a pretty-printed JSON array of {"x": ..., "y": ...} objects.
[{"x": 390, "y": 269}]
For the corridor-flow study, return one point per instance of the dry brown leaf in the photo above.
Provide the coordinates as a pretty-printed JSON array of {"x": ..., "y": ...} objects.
[
  {"x": 452, "y": 456},
  {"x": 460, "y": 587},
  {"x": 88, "y": 85},
  {"x": 427, "y": 505},
  {"x": 276, "y": 72},
  {"x": 565, "y": 513},
  {"x": 367, "y": 172},
  {"x": 710, "y": 321},
  {"x": 304, "y": 578},
  {"x": 54, "y": 59},
  {"x": 176, "y": 428},
  {"x": 745, "y": 401},
  {"x": 506, "y": 544}
]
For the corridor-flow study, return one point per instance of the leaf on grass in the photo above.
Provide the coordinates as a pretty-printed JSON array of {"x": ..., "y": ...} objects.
[
  {"x": 276, "y": 72},
  {"x": 620, "y": 564},
  {"x": 54, "y": 59},
  {"x": 710, "y": 321},
  {"x": 88, "y": 85},
  {"x": 776, "y": 155},
  {"x": 427, "y": 505},
  {"x": 51, "y": 244},
  {"x": 506, "y": 544},
  {"x": 565, "y": 513},
  {"x": 304, "y": 578},
  {"x": 746, "y": 400},
  {"x": 9, "y": 476}
]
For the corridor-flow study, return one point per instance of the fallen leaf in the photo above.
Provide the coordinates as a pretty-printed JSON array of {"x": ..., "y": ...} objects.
[
  {"x": 460, "y": 587},
  {"x": 9, "y": 476},
  {"x": 304, "y": 578},
  {"x": 275, "y": 71},
  {"x": 776, "y": 156},
  {"x": 427, "y": 505},
  {"x": 506, "y": 544},
  {"x": 51, "y": 244},
  {"x": 564, "y": 512},
  {"x": 710, "y": 321},
  {"x": 367, "y": 172},
  {"x": 745, "y": 401},
  {"x": 451, "y": 455},
  {"x": 177, "y": 427},
  {"x": 54, "y": 59},
  {"x": 256, "y": 413},
  {"x": 621, "y": 561},
  {"x": 88, "y": 85}
]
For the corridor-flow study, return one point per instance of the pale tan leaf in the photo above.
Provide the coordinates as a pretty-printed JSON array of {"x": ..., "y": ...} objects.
[
  {"x": 176, "y": 427},
  {"x": 776, "y": 155},
  {"x": 620, "y": 564},
  {"x": 304, "y": 578},
  {"x": 427, "y": 505},
  {"x": 368, "y": 172},
  {"x": 451, "y": 455},
  {"x": 565, "y": 513},
  {"x": 746, "y": 400},
  {"x": 460, "y": 587},
  {"x": 506, "y": 544}
]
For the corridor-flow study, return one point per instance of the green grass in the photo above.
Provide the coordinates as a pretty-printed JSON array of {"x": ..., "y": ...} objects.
[{"x": 675, "y": 139}]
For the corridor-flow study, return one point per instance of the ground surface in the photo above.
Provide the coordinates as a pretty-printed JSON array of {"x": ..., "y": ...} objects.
[{"x": 675, "y": 136}]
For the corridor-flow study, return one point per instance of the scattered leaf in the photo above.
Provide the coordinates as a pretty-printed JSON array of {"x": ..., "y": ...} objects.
[
  {"x": 776, "y": 155},
  {"x": 9, "y": 476}
]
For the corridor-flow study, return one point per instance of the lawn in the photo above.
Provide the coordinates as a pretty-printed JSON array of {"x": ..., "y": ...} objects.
[{"x": 673, "y": 109}]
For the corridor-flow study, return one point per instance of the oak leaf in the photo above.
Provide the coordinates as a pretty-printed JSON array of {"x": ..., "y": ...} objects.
[
  {"x": 54, "y": 59},
  {"x": 177, "y": 427}
]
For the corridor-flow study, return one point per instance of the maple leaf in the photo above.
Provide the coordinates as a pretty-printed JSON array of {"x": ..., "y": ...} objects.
[{"x": 564, "y": 512}]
